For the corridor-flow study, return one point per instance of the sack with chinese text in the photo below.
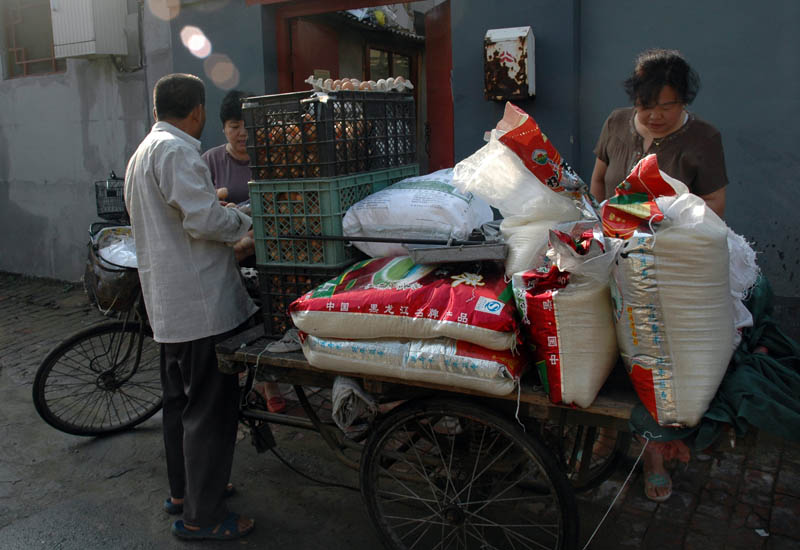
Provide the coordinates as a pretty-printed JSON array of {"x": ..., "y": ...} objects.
[
  {"x": 443, "y": 361},
  {"x": 392, "y": 297},
  {"x": 672, "y": 301},
  {"x": 423, "y": 207},
  {"x": 565, "y": 306}
]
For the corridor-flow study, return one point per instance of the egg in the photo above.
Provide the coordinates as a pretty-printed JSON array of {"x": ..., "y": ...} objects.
[
  {"x": 381, "y": 85},
  {"x": 347, "y": 85},
  {"x": 328, "y": 84},
  {"x": 364, "y": 86},
  {"x": 389, "y": 84}
]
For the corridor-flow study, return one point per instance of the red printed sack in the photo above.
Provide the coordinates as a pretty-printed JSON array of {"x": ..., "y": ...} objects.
[{"x": 394, "y": 298}]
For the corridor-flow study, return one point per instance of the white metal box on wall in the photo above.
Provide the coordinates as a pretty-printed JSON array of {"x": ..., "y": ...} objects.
[
  {"x": 509, "y": 66},
  {"x": 89, "y": 27}
]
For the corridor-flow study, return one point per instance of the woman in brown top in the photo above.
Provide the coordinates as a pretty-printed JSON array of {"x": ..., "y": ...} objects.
[{"x": 688, "y": 148}]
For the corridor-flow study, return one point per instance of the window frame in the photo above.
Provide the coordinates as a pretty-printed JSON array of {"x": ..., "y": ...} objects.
[
  {"x": 15, "y": 52},
  {"x": 391, "y": 52}
]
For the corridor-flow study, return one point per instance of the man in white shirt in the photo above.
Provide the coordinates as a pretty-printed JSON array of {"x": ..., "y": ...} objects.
[{"x": 194, "y": 298}]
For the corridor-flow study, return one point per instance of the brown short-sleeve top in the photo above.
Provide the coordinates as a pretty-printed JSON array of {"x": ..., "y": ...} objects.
[{"x": 692, "y": 154}]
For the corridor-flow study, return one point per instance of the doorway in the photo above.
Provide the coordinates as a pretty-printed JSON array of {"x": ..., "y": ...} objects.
[{"x": 367, "y": 40}]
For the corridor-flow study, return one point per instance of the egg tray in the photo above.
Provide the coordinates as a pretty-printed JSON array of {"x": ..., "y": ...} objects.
[{"x": 303, "y": 135}]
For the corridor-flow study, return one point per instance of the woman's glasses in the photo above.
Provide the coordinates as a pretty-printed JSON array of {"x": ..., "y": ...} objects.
[{"x": 667, "y": 107}]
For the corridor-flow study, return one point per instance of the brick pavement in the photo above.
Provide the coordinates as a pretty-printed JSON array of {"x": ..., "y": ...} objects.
[{"x": 741, "y": 497}]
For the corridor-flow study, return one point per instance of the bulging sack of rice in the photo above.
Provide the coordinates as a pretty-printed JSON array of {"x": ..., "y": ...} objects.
[
  {"x": 671, "y": 291},
  {"x": 443, "y": 361},
  {"x": 423, "y": 207},
  {"x": 521, "y": 173},
  {"x": 392, "y": 297},
  {"x": 565, "y": 305}
]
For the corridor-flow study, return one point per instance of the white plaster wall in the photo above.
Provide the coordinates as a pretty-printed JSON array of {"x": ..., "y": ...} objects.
[{"x": 59, "y": 134}]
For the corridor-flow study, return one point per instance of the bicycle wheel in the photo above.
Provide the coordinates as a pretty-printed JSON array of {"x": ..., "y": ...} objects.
[
  {"x": 446, "y": 473},
  {"x": 605, "y": 447},
  {"x": 101, "y": 380}
]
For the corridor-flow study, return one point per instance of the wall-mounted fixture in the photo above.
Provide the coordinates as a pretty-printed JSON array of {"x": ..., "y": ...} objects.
[{"x": 509, "y": 66}]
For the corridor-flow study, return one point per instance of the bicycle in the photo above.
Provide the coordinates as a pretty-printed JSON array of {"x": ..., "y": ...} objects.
[{"x": 106, "y": 378}]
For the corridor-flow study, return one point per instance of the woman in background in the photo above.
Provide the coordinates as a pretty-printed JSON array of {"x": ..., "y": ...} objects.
[{"x": 689, "y": 149}]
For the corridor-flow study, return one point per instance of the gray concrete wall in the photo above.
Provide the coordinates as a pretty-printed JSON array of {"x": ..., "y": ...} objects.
[
  {"x": 58, "y": 134},
  {"x": 238, "y": 31}
]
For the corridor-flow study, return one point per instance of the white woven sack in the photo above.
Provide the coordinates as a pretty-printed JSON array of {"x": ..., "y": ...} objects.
[
  {"x": 424, "y": 207},
  {"x": 674, "y": 310},
  {"x": 497, "y": 175},
  {"x": 435, "y": 361},
  {"x": 587, "y": 340},
  {"x": 526, "y": 236},
  {"x": 582, "y": 343}
]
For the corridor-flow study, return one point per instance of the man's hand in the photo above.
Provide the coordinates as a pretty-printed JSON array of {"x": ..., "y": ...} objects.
[{"x": 245, "y": 247}]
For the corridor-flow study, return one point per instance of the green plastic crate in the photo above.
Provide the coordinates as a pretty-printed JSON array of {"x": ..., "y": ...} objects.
[{"x": 285, "y": 208}]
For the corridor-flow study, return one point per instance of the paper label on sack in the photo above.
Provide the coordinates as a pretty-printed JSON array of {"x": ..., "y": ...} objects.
[{"x": 487, "y": 305}]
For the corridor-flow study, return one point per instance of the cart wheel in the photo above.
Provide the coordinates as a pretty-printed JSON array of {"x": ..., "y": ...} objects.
[
  {"x": 605, "y": 447},
  {"x": 447, "y": 473}
]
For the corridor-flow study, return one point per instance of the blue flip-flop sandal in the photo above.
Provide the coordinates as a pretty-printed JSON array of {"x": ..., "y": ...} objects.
[
  {"x": 227, "y": 530},
  {"x": 174, "y": 509},
  {"x": 653, "y": 481}
]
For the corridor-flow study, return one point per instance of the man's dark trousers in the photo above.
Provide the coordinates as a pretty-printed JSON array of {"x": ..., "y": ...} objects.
[{"x": 200, "y": 411}]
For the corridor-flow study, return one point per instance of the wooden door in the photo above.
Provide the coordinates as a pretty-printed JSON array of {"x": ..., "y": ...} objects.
[
  {"x": 314, "y": 47},
  {"x": 438, "y": 71}
]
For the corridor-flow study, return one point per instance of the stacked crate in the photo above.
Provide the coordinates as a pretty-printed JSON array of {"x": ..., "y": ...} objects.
[{"x": 311, "y": 158}]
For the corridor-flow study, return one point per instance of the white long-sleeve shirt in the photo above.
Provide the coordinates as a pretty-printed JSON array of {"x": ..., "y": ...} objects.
[{"x": 189, "y": 275}]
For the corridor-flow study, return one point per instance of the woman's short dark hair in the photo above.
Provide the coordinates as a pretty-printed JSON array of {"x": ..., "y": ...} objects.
[
  {"x": 175, "y": 95},
  {"x": 231, "y": 108},
  {"x": 657, "y": 68}
]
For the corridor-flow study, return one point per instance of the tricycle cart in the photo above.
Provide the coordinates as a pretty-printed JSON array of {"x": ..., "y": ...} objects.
[{"x": 442, "y": 467}]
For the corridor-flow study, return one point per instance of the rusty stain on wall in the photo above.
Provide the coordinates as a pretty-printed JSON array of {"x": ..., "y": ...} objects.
[{"x": 505, "y": 76}]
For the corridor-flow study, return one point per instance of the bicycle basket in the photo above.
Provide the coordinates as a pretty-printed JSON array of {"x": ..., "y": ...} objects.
[
  {"x": 111, "y": 288},
  {"x": 110, "y": 199}
]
